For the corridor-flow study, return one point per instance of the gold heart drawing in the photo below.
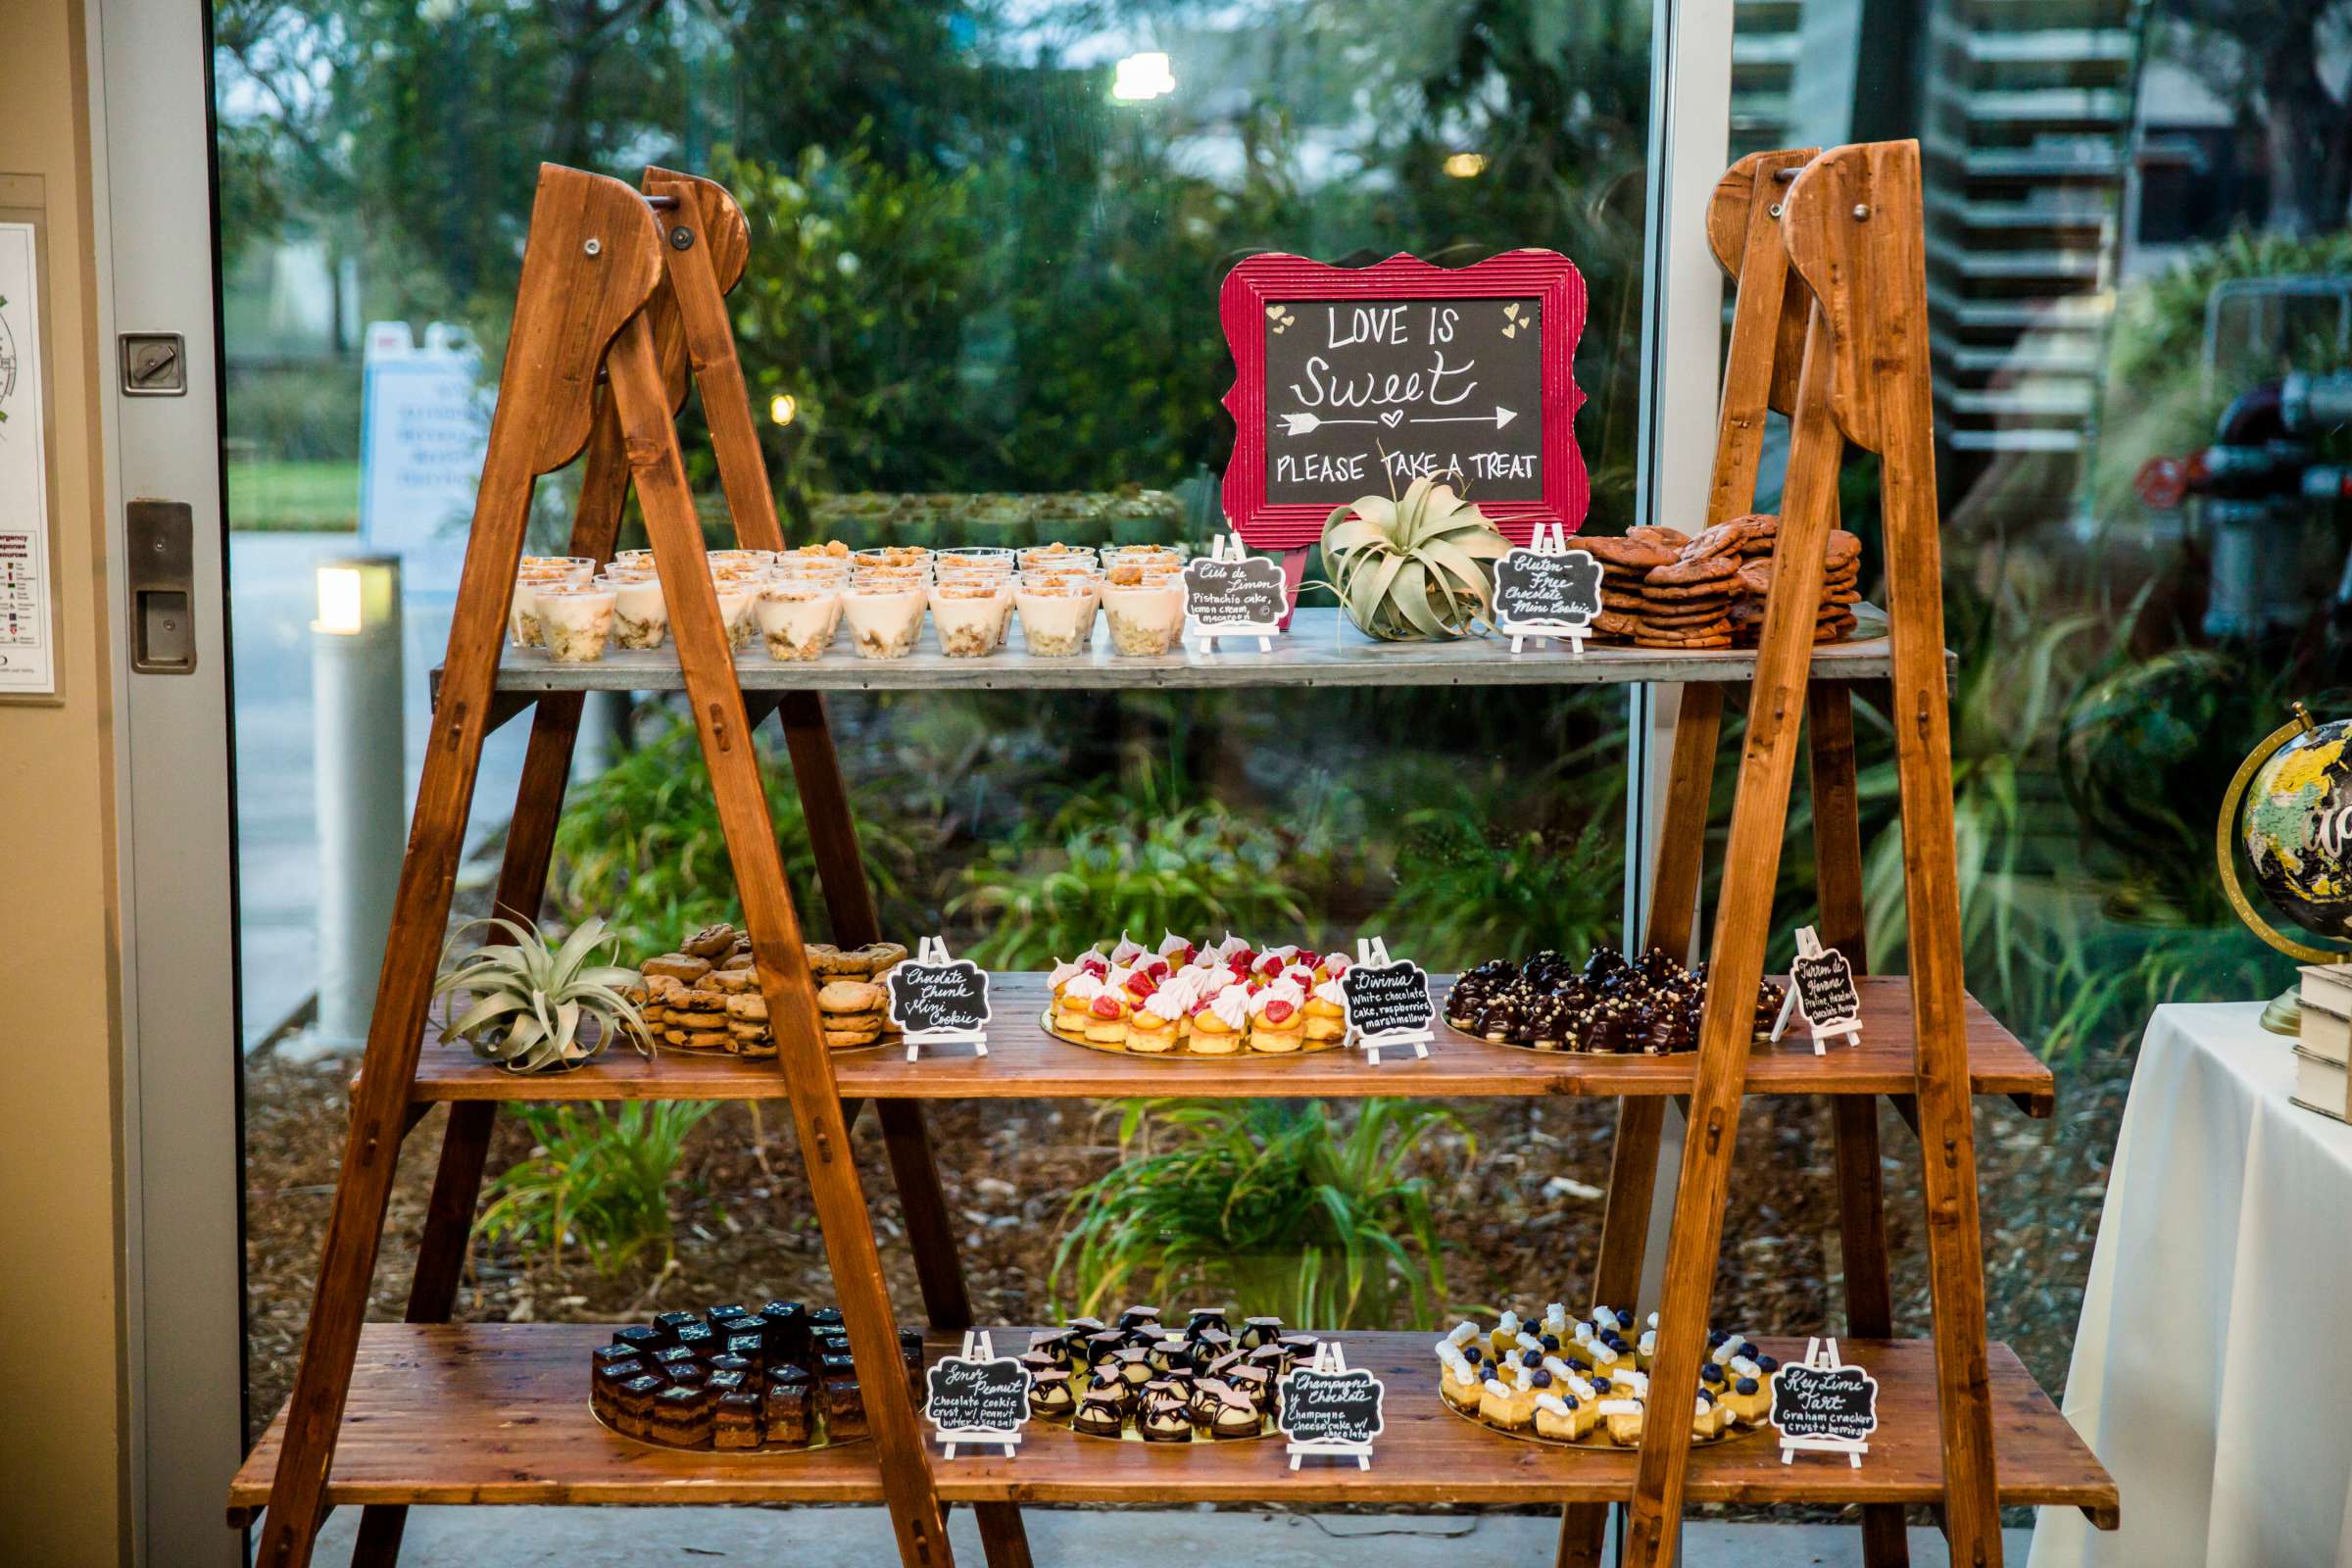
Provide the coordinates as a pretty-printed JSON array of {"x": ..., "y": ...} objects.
[
  {"x": 1511, "y": 330},
  {"x": 1393, "y": 418},
  {"x": 1281, "y": 316},
  {"x": 1511, "y": 310}
]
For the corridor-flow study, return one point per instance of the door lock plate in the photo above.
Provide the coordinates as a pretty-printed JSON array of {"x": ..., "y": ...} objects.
[
  {"x": 154, "y": 365},
  {"x": 160, "y": 573}
]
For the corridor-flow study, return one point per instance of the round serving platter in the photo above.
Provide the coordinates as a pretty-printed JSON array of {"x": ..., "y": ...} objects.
[
  {"x": 1596, "y": 1441},
  {"x": 1182, "y": 1052},
  {"x": 819, "y": 1439}
]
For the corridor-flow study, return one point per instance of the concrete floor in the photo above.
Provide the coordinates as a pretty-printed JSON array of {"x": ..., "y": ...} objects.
[{"x": 860, "y": 1538}]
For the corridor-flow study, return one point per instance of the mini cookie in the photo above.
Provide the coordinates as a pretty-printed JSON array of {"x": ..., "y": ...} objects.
[
  {"x": 679, "y": 966},
  {"x": 1626, "y": 552},
  {"x": 1611, "y": 599},
  {"x": 850, "y": 995},
  {"x": 855, "y": 964},
  {"x": 1723, "y": 539},
  {"x": 1841, "y": 596},
  {"x": 1616, "y": 623},
  {"x": 733, "y": 982},
  {"x": 1689, "y": 644},
  {"x": 1755, "y": 577},
  {"x": 696, "y": 1020},
  {"x": 1676, "y": 635},
  {"x": 737, "y": 959},
  {"x": 1696, "y": 617},
  {"x": 1692, "y": 570},
  {"x": 1843, "y": 548},
  {"x": 711, "y": 942},
  {"x": 709, "y": 1040},
  {"x": 1664, "y": 538},
  {"x": 752, "y": 1006},
  {"x": 851, "y": 1038}
]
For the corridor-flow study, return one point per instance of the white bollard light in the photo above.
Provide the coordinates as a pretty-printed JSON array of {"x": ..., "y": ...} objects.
[{"x": 360, "y": 774}]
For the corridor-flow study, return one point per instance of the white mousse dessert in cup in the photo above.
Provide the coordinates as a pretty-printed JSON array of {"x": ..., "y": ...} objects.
[
  {"x": 639, "y": 615},
  {"x": 1058, "y": 611},
  {"x": 577, "y": 621},
  {"x": 885, "y": 611},
  {"x": 799, "y": 614},
  {"x": 1146, "y": 609},
  {"x": 968, "y": 608}
]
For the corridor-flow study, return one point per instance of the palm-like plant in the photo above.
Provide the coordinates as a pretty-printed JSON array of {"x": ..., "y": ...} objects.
[
  {"x": 1270, "y": 1207},
  {"x": 1414, "y": 567},
  {"x": 529, "y": 998}
]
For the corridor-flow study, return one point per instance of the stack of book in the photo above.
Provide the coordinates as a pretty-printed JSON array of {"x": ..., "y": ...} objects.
[{"x": 2325, "y": 1049}]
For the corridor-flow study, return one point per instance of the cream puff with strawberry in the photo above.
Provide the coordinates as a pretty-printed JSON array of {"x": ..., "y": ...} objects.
[
  {"x": 1106, "y": 1014},
  {"x": 1073, "y": 1001},
  {"x": 1220, "y": 1022},
  {"x": 1326, "y": 1009},
  {"x": 1156, "y": 1025},
  {"x": 1277, "y": 1018}
]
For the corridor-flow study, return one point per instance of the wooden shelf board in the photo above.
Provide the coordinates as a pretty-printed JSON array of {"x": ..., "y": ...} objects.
[
  {"x": 497, "y": 1413},
  {"x": 1321, "y": 649},
  {"x": 1024, "y": 1061}
]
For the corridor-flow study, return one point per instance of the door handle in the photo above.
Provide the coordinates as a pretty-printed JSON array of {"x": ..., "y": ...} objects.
[{"x": 161, "y": 573}]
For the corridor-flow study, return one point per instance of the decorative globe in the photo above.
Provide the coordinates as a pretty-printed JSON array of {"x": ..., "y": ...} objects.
[{"x": 2296, "y": 827}]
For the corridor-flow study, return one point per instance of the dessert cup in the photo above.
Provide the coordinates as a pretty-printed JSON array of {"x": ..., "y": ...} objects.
[
  {"x": 798, "y": 615},
  {"x": 892, "y": 555},
  {"x": 576, "y": 621},
  {"x": 885, "y": 613},
  {"x": 736, "y": 596},
  {"x": 639, "y": 615},
  {"x": 968, "y": 610},
  {"x": 1145, "y": 615},
  {"x": 523, "y": 612},
  {"x": 1058, "y": 612}
]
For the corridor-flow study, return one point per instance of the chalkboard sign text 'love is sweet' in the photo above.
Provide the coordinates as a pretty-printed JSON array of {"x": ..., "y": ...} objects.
[{"x": 1355, "y": 381}]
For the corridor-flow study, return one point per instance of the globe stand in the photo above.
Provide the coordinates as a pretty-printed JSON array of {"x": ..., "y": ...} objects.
[{"x": 2285, "y": 1014}]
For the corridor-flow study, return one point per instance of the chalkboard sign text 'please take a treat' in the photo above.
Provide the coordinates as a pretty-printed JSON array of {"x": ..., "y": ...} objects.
[{"x": 1355, "y": 381}]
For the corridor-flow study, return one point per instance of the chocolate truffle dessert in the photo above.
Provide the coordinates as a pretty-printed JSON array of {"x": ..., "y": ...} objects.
[
  {"x": 735, "y": 1420},
  {"x": 682, "y": 1416}
]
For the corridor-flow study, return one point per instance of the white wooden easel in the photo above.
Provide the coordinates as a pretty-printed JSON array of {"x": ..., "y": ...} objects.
[
  {"x": 1228, "y": 547},
  {"x": 1822, "y": 1354},
  {"x": 934, "y": 950},
  {"x": 1848, "y": 1030},
  {"x": 978, "y": 1347},
  {"x": 1551, "y": 539},
  {"x": 1330, "y": 1358},
  {"x": 1370, "y": 952}
]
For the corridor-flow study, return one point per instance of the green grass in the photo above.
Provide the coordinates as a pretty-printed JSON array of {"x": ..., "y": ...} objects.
[{"x": 314, "y": 497}]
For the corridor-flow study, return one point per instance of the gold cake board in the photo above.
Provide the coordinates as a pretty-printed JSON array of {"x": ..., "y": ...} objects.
[{"x": 1178, "y": 1053}]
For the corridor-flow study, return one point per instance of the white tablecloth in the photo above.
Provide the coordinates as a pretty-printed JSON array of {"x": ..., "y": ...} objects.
[{"x": 2213, "y": 1367}]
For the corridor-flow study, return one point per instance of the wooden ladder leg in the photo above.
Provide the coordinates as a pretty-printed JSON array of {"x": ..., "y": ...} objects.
[
  {"x": 1854, "y": 234},
  {"x": 1853, "y": 1118},
  {"x": 1751, "y": 866},
  {"x": 521, "y": 889},
  {"x": 850, "y": 900},
  {"x": 1642, "y": 1118},
  {"x": 785, "y": 981},
  {"x": 571, "y": 300}
]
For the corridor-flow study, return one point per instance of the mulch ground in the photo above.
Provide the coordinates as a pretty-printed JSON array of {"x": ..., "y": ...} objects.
[{"x": 1520, "y": 1221}]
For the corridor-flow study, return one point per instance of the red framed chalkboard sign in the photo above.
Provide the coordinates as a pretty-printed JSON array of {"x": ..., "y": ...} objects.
[{"x": 1355, "y": 381}]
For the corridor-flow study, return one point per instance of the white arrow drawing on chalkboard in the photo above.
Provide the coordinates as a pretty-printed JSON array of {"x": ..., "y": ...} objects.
[{"x": 1307, "y": 424}]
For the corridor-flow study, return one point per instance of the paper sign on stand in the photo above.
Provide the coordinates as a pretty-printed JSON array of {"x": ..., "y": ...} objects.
[
  {"x": 977, "y": 1399},
  {"x": 1330, "y": 1411},
  {"x": 1822, "y": 1405},
  {"x": 1388, "y": 1003},
  {"x": 1821, "y": 986},
  {"x": 1232, "y": 593},
  {"x": 939, "y": 1000},
  {"x": 1548, "y": 590}
]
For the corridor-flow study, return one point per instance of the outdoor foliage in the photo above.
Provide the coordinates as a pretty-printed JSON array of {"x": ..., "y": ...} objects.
[
  {"x": 1271, "y": 1207},
  {"x": 640, "y": 845},
  {"x": 597, "y": 1178}
]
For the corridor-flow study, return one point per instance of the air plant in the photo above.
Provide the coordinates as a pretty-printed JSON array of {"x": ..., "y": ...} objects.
[
  {"x": 1412, "y": 568},
  {"x": 529, "y": 997}
]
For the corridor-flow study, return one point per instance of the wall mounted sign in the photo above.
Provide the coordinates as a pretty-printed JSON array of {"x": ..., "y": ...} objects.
[
  {"x": 1388, "y": 1003},
  {"x": 1546, "y": 590},
  {"x": 28, "y": 591},
  {"x": 978, "y": 1399},
  {"x": 1822, "y": 1405},
  {"x": 1231, "y": 593},
  {"x": 1822, "y": 988},
  {"x": 424, "y": 429},
  {"x": 1327, "y": 1409},
  {"x": 1355, "y": 381},
  {"x": 939, "y": 1000}
]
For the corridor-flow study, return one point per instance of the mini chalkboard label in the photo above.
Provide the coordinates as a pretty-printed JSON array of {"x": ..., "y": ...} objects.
[
  {"x": 1546, "y": 590},
  {"x": 1822, "y": 988},
  {"x": 1388, "y": 1003},
  {"x": 1230, "y": 593},
  {"x": 936, "y": 1000},
  {"x": 978, "y": 1398},
  {"x": 1823, "y": 1405},
  {"x": 1355, "y": 381},
  {"x": 1328, "y": 1409}
]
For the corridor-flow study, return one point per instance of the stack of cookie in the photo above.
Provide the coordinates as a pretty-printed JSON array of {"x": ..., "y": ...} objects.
[
  {"x": 1661, "y": 588},
  {"x": 705, "y": 996}
]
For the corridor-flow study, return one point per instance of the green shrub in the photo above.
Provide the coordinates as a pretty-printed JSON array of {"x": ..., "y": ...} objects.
[
  {"x": 596, "y": 1179},
  {"x": 1270, "y": 1207}
]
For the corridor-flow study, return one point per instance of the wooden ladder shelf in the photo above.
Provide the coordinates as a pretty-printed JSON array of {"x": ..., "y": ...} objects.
[{"x": 621, "y": 312}]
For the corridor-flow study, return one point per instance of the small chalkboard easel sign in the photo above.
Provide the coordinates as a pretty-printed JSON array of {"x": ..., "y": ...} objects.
[
  {"x": 939, "y": 1000},
  {"x": 1330, "y": 1411},
  {"x": 1822, "y": 1405},
  {"x": 1231, "y": 593},
  {"x": 1388, "y": 1003},
  {"x": 1547, "y": 591},
  {"x": 977, "y": 1399},
  {"x": 1821, "y": 986}
]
